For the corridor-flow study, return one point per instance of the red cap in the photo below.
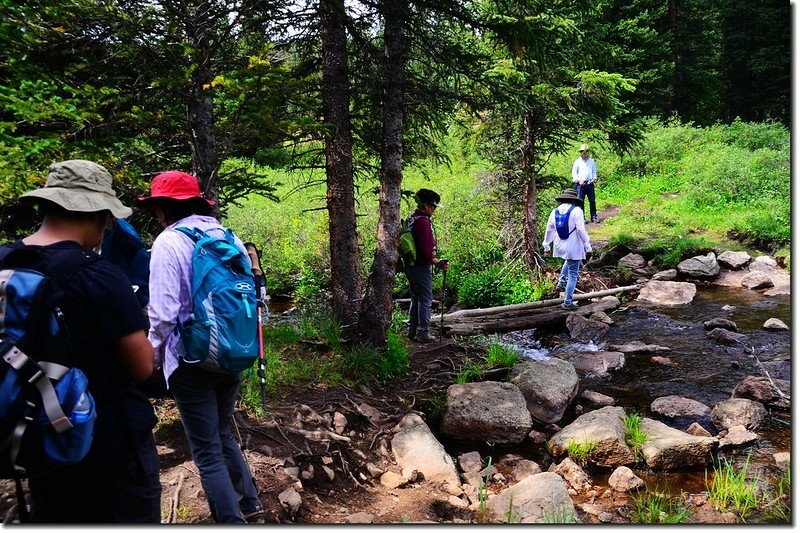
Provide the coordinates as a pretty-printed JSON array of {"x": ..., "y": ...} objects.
[{"x": 175, "y": 185}]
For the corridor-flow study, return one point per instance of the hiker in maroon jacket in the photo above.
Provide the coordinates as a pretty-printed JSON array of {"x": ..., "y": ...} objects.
[{"x": 420, "y": 276}]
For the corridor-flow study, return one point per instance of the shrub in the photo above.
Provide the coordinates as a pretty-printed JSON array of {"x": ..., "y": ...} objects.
[{"x": 501, "y": 356}]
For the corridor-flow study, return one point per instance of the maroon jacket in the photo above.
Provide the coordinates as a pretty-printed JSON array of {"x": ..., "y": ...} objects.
[{"x": 422, "y": 231}]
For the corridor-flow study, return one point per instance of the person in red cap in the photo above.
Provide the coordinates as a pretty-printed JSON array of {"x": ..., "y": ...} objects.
[{"x": 205, "y": 399}]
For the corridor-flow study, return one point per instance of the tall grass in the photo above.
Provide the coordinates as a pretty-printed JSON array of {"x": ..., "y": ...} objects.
[
  {"x": 635, "y": 436},
  {"x": 732, "y": 488},
  {"x": 658, "y": 507}
]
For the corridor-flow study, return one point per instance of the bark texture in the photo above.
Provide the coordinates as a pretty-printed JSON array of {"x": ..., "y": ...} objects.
[{"x": 345, "y": 278}]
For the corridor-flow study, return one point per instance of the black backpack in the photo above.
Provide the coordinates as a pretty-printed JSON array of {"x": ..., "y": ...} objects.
[{"x": 47, "y": 413}]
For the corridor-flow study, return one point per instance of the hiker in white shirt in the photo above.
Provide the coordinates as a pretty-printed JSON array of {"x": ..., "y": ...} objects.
[
  {"x": 574, "y": 249},
  {"x": 584, "y": 176}
]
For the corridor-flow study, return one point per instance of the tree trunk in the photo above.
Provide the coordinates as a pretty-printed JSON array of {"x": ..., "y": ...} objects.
[
  {"x": 530, "y": 195},
  {"x": 345, "y": 278},
  {"x": 376, "y": 307},
  {"x": 200, "y": 108}
]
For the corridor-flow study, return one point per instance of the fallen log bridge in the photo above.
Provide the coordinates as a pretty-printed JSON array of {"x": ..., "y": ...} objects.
[{"x": 543, "y": 313}]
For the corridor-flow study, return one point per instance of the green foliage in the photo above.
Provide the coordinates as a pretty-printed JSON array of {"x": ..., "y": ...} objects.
[
  {"x": 580, "y": 451},
  {"x": 559, "y": 517},
  {"x": 670, "y": 251},
  {"x": 635, "y": 436},
  {"x": 470, "y": 371},
  {"x": 501, "y": 356},
  {"x": 483, "y": 493},
  {"x": 779, "y": 508},
  {"x": 658, "y": 507},
  {"x": 732, "y": 488}
]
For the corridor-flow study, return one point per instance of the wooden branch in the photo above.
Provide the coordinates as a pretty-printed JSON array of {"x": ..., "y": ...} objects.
[
  {"x": 537, "y": 305},
  {"x": 319, "y": 435},
  {"x": 173, "y": 511}
]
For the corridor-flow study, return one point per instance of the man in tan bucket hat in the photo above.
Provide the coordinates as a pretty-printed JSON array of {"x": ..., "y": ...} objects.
[{"x": 118, "y": 479}]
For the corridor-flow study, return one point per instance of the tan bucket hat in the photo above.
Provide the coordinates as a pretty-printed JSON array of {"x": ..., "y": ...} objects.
[
  {"x": 584, "y": 148},
  {"x": 82, "y": 186}
]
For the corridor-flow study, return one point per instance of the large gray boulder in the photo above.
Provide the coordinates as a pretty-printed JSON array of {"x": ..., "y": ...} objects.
[
  {"x": 488, "y": 411},
  {"x": 738, "y": 411},
  {"x": 535, "y": 499},
  {"x": 724, "y": 336},
  {"x": 632, "y": 261},
  {"x": 760, "y": 389},
  {"x": 699, "y": 266},
  {"x": 734, "y": 260},
  {"x": 757, "y": 280},
  {"x": 668, "y": 448},
  {"x": 415, "y": 448},
  {"x": 585, "y": 330},
  {"x": 667, "y": 293},
  {"x": 679, "y": 407},
  {"x": 598, "y": 363},
  {"x": 604, "y": 428},
  {"x": 549, "y": 387},
  {"x": 775, "y": 324}
]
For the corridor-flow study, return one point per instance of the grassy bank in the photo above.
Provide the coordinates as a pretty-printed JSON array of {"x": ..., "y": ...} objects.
[{"x": 683, "y": 190}]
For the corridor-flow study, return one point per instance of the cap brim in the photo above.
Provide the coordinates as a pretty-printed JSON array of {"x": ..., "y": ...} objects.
[
  {"x": 144, "y": 200},
  {"x": 83, "y": 201}
]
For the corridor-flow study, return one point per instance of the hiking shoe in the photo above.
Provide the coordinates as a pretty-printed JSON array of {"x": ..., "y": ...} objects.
[
  {"x": 423, "y": 337},
  {"x": 560, "y": 287},
  {"x": 569, "y": 306},
  {"x": 412, "y": 334},
  {"x": 595, "y": 220},
  {"x": 255, "y": 516}
]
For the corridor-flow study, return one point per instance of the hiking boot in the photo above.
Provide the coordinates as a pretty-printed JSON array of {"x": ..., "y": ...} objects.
[
  {"x": 423, "y": 337},
  {"x": 595, "y": 220},
  {"x": 569, "y": 306},
  {"x": 560, "y": 287},
  {"x": 255, "y": 516},
  {"x": 411, "y": 334}
]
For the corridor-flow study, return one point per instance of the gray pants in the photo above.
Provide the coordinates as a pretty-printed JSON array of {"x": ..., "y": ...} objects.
[{"x": 420, "y": 279}]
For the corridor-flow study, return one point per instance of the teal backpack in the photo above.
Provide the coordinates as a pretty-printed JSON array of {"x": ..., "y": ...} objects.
[{"x": 222, "y": 331}]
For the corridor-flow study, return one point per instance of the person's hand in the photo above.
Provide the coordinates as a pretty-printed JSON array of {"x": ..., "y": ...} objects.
[
  {"x": 581, "y": 182},
  {"x": 442, "y": 264},
  {"x": 547, "y": 253},
  {"x": 589, "y": 255}
]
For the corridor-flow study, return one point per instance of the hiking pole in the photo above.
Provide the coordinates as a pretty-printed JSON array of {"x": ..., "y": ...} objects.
[
  {"x": 261, "y": 298},
  {"x": 444, "y": 293}
]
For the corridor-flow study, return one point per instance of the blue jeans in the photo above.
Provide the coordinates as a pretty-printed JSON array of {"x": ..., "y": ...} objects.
[
  {"x": 420, "y": 280},
  {"x": 205, "y": 400},
  {"x": 587, "y": 190},
  {"x": 569, "y": 277}
]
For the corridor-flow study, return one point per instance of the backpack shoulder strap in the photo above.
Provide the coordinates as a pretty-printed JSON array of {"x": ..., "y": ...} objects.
[{"x": 193, "y": 233}]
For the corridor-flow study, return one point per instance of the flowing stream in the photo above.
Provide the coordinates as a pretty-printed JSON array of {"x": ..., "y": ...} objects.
[{"x": 702, "y": 369}]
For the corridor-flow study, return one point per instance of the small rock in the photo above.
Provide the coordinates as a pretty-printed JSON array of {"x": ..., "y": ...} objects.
[
  {"x": 774, "y": 324},
  {"x": 597, "y": 399},
  {"x": 721, "y": 323},
  {"x": 729, "y": 518},
  {"x": 766, "y": 260},
  {"x": 457, "y": 502},
  {"x": 664, "y": 361},
  {"x": 730, "y": 309},
  {"x": 292, "y": 471},
  {"x": 782, "y": 460},
  {"x": 727, "y": 337},
  {"x": 452, "y": 490},
  {"x": 361, "y": 518},
  {"x": 605, "y": 517},
  {"x": 339, "y": 422},
  {"x": 290, "y": 500},
  {"x": 666, "y": 275},
  {"x": 391, "y": 480},
  {"x": 308, "y": 473},
  {"x": 326, "y": 460},
  {"x": 623, "y": 480},
  {"x": 470, "y": 462},
  {"x": 757, "y": 280},
  {"x": 737, "y": 436},
  {"x": 370, "y": 412},
  {"x": 734, "y": 260},
  {"x": 697, "y": 430},
  {"x": 374, "y": 471},
  {"x": 537, "y": 437},
  {"x": 329, "y": 472},
  {"x": 602, "y": 317}
]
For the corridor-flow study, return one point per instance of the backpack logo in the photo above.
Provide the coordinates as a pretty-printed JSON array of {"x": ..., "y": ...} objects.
[
  {"x": 47, "y": 413},
  {"x": 222, "y": 331},
  {"x": 562, "y": 223}
]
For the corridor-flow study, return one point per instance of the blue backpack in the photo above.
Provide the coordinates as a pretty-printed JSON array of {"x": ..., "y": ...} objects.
[
  {"x": 123, "y": 246},
  {"x": 222, "y": 331},
  {"x": 47, "y": 413},
  {"x": 562, "y": 224}
]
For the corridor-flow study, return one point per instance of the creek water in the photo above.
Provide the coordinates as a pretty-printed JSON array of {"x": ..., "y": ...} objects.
[{"x": 702, "y": 369}]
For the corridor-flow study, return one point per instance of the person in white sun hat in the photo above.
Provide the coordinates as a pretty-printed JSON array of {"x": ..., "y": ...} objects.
[{"x": 584, "y": 176}]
